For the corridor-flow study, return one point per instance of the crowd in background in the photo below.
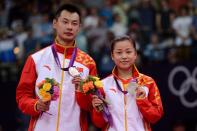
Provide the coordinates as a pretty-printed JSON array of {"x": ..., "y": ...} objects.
[{"x": 165, "y": 31}]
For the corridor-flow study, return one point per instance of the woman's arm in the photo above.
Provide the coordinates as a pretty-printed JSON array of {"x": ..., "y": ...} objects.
[{"x": 151, "y": 107}]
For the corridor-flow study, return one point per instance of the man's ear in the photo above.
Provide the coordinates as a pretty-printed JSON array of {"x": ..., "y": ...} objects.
[
  {"x": 54, "y": 23},
  {"x": 112, "y": 56}
]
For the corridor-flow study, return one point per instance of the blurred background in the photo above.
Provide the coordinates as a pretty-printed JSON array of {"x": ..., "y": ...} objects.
[{"x": 165, "y": 32}]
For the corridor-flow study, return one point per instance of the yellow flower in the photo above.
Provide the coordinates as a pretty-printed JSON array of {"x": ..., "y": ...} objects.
[
  {"x": 47, "y": 86},
  {"x": 98, "y": 84},
  {"x": 96, "y": 78},
  {"x": 46, "y": 96},
  {"x": 41, "y": 92}
]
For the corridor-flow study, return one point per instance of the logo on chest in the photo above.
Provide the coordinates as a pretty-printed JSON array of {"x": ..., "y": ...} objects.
[{"x": 113, "y": 90}]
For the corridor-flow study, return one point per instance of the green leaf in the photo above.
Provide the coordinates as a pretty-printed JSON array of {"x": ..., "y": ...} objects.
[
  {"x": 106, "y": 102},
  {"x": 48, "y": 80},
  {"x": 99, "y": 108}
]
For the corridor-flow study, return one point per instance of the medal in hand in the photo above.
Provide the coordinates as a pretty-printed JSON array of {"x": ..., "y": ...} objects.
[
  {"x": 131, "y": 87},
  {"x": 73, "y": 71}
]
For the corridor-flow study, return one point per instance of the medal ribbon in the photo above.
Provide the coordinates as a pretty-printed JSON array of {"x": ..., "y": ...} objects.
[
  {"x": 119, "y": 88},
  {"x": 58, "y": 61},
  {"x": 106, "y": 114}
]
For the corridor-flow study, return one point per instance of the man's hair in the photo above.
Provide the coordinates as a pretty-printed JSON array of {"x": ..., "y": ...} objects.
[{"x": 68, "y": 7}]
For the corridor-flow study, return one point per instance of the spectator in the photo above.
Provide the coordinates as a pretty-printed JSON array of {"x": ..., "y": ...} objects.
[
  {"x": 35, "y": 20},
  {"x": 164, "y": 19},
  {"x": 177, "y": 4},
  {"x": 20, "y": 37},
  {"x": 118, "y": 28},
  {"x": 31, "y": 44},
  {"x": 3, "y": 14},
  {"x": 147, "y": 19},
  {"x": 46, "y": 28},
  {"x": 181, "y": 26},
  {"x": 121, "y": 7},
  {"x": 96, "y": 37},
  {"x": 107, "y": 12},
  {"x": 105, "y": 63},
  {"x": 153, "y": 51},
  {"x": 6, "y": 47},
  {"x": 91, "y": 20}
]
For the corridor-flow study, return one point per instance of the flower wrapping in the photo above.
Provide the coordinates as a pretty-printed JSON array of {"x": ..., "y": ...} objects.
[{"x": 48, "y": 90}]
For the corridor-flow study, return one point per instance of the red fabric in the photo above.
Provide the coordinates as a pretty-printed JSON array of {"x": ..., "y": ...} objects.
[
  {"x": 97, "y": 118},
  {"x": 83, "y": 120},
  {"x": 84, "y": 101},
  {"x": 151, "y": 108},
  {"x": 176, "y": 4},
  {"x": 25, "y": 90}
]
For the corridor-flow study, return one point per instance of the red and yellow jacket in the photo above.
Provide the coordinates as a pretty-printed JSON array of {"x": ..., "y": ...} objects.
[
  {"x": 69, "y": 111},
  {"x": 128, "y": 112}
]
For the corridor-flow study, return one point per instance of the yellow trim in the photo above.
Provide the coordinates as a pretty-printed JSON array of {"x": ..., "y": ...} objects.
[
  {"x": 136, "y": 69},
  {"x": 140, "y": 98},
  {"x": 35, "y": 106},
  {"x": 34, "y": 125},
  {"x": 113, "y": 69},
  {"x": 146, "y": 127},
  {"x": 156, "y": 96},
  {"x": 77, "y": 90},
  {"x": 125, "y": 108},
  {"x": 58, "y": 119},
  {"x": 56, "y": 41},
  {"x": 107, "y": 126}
]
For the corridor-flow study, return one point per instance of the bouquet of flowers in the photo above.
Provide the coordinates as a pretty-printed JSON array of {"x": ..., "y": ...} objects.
[
  {"x": 91, "y": 85},
  {"x": 48, "y": 90}
]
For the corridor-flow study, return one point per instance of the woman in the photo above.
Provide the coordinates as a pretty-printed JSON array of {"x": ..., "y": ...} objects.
[{"x": 133, "y": 106}]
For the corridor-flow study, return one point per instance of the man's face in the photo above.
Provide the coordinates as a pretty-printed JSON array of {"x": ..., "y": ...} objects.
[{"x": 67, "y": 26}]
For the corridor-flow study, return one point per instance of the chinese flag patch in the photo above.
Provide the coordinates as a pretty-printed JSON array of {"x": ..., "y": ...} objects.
[{"x": 80, "y": 69}]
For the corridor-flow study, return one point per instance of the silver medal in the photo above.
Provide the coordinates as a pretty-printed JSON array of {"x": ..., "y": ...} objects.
[
  {"x": 73, "y": 71},
  {"x": 131, "y": 87}
]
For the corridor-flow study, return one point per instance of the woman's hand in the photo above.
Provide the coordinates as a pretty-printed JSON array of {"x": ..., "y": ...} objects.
[
  {"x": 96, "y": 101},
  {"x": 42, "y": 105},
  {"x": 140, "y": 92}
]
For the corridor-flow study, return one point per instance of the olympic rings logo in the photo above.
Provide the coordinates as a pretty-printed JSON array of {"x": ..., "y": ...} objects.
[{"x": 189, "y": 82}]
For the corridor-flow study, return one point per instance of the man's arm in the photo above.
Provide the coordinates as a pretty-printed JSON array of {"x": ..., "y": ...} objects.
[{"x": 25, "y": 92}]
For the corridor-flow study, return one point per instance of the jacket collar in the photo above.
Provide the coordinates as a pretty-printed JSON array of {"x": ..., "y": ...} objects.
[
  {"x": 135, "y": 74},
  {"x": 61, "y": 49}
]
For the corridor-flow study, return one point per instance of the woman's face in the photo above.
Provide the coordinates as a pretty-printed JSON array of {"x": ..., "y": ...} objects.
[{"x": 124, "y": 54}]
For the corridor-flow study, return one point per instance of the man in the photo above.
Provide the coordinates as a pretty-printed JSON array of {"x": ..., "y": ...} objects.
[{"x": 65, "y": 113}]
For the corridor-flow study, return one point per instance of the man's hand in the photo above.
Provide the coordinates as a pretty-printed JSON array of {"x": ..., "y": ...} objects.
[
  {"x": 76, "y": 80},
  {"x": 140, "y": 92},
  {"x": 96, "y": 101},
  {"x": 42, "y": 106}
]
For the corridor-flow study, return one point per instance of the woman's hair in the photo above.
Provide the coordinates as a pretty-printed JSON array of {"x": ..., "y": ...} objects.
[
  {"x": 68, "y": 7},
  {"x": 122, "y": 38}
]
